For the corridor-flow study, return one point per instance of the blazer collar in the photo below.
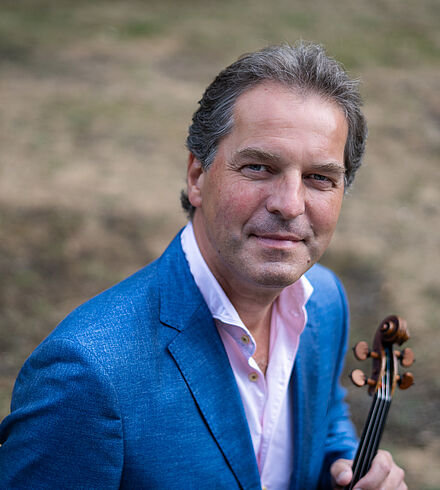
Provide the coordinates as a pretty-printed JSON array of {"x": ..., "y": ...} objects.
[
  {"x": 305, "y": 385},
  {"x": 179, "y": 295},
  {"x": 301, "y": 410},
  {"x": 203, "y": 363}
]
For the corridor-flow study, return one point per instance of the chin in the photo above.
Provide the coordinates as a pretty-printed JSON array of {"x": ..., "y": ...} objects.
[{"x": 278, "y": 279}]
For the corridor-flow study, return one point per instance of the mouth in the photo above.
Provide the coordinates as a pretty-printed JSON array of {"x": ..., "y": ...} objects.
[{"x": 278, "y": 240}]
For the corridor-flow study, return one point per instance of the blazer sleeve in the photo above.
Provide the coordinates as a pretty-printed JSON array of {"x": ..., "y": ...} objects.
[
  {"x": 64, "y": 430},
  {"x": 341, "y": 441}
]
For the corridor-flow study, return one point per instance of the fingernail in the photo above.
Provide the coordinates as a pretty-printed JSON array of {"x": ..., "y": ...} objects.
[{"x": 343, "y": 476}]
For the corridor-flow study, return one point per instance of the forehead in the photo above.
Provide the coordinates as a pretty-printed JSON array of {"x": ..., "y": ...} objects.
[
  {"x": 273, "y": 100},
  {"x": 278, "y": 115}
]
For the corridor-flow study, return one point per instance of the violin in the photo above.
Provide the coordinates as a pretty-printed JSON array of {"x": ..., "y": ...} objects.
[{"x": 381, "y": 385}]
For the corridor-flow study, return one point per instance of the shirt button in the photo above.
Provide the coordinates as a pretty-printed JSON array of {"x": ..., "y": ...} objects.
[
  {"x": 245, "y": 339},
  {"x": 253, "y": 376}
]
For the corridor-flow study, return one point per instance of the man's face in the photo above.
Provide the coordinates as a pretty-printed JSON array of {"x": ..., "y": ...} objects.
[{"x": 267, "y": 207}]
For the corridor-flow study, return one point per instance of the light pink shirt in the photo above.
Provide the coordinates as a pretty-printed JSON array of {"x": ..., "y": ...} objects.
[{"x": 267, "y": 401}]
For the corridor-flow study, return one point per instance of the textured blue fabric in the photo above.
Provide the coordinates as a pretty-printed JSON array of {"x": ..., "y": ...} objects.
[{"x": 134, "y": 390}]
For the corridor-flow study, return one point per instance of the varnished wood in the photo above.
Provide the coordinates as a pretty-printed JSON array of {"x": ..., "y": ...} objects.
[
  {"x": 384, "y": 378},
  {"x": 358, "y": 377},
  {"x": 405, "y": 381},
  {"x": 406, "y": 357},
  {"x": 361, "y": 350}
]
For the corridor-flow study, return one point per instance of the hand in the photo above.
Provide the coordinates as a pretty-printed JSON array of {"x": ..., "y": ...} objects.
[{"x": 384, "y": 474}]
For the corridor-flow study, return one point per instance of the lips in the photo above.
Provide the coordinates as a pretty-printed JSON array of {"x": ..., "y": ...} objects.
[
  {"x": 275, "y": 241},
  {"x": 278, "y": 234},
  {"x": 279, "y": 237}
]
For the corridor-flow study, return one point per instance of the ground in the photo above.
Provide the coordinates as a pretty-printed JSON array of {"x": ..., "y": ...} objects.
[{"x": 96, "y": 98}]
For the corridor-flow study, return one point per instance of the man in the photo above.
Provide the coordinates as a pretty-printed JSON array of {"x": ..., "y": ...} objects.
[{"x": 218, "y": 364}]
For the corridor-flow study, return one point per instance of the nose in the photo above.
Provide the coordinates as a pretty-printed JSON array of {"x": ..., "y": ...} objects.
[{"x": 286, "y": 197}]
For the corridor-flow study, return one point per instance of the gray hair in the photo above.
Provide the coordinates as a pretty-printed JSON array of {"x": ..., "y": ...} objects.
[{"x": 304, "y": 67}]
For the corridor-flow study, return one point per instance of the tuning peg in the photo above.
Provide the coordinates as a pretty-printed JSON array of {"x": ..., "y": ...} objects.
[
  {"x": 405, "y": 381},
  {"x": 359, "y": 378},
  {"x": 406, "y": 357},
  {"x": 362, "y": 351}
]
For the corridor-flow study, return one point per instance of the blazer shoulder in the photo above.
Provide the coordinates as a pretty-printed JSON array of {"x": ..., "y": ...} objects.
[
  {"x": 328, "y": 305},
  {"x": 325, "y": 282}
]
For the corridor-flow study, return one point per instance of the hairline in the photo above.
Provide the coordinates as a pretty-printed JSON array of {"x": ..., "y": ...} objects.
[{"x": 302, "y": 91}]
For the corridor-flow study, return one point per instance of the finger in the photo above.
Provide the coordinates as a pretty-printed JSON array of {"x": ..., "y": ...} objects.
[
  {"x": 394, "y": 481},
  {"x": 341, "y": 473},
  {"x": 396, "y": 478},
  {"x": 384, "y": 473}
]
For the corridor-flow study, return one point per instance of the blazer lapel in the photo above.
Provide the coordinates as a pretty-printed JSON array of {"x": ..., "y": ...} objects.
[
  {"x": 202, "y": 360},
  {"x": 305, "y": 397}
]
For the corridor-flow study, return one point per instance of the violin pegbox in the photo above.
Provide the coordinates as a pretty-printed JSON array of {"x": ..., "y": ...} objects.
[
  {"x": 392, "y": 330},
  {"x": 382, "y": 382}
]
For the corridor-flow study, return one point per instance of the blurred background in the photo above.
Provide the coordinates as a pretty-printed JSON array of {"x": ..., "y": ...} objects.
[{"x": 95, "y": 101}]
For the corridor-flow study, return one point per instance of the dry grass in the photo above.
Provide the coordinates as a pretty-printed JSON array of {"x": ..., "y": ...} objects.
[{"x": 96, "y": 98}]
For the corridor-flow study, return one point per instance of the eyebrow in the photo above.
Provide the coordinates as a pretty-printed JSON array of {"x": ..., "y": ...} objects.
[
  {"x": 260, "y": 155},
  {"x": 332, "y": 167},
  {"x": 257, "y": 154}
]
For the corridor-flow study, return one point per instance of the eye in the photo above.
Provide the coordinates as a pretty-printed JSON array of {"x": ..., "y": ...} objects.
[
  {"x": 256, "y": 167},
  {"x": 319, "y": 177},
  {"x": 256, "y": 171},
  {"x": 320, "y": 181}
]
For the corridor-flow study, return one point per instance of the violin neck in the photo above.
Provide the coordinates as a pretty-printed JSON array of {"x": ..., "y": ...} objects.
[{"x": 370, "y": 438}]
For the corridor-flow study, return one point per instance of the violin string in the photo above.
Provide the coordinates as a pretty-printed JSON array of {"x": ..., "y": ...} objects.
[
  {"x": 387, "y": 397},
  {"x": 363, "y": 448},
  {"x": 374, "y": 428},
  {"x": 382, "y": 415},
  {"x": 370, "y": 446}
]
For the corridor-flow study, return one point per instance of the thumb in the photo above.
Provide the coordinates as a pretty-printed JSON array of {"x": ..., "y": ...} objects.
[{"x": 341, "y": 473}]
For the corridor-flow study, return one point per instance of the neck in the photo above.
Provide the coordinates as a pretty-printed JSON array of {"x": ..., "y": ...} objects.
[
  {"x": 252, "y": 301},
  {"x": 253, "y": 304},
  {"x": 255, "y": 310}
]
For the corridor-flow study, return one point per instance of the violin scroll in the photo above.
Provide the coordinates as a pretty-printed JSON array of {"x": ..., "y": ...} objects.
[{"x": 394, "y": 330}]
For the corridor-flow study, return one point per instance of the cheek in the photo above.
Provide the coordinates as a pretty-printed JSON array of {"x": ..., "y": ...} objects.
[
  {"x": 236, "y": 203},
  {"x": 325, "y": 215}
]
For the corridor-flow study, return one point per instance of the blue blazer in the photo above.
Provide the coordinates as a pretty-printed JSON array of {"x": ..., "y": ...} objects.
[{"x": 134, "y": 390}]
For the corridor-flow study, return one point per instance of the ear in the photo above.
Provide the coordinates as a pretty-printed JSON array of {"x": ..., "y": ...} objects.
[{"x": 195, "y": 177}]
